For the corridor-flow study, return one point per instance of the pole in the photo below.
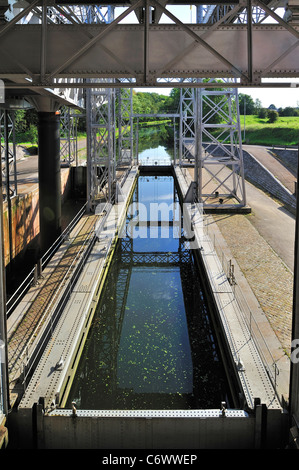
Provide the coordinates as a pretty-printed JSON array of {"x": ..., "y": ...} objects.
[{"x": 49, "y": 178}]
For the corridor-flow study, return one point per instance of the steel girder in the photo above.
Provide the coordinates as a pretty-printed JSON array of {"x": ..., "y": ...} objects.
[{"x": 147, "y": 53}]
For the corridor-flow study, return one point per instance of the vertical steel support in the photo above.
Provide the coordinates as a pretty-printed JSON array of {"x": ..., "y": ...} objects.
[
  {"x": 174, "y": 143},
  {"x": 187, "y": 123},
  {"x": 213, "y": 115},
  {"x": 43, "y": 53},
  {"x": 198, "y": 144},
  {"x": 68, "y": 136},
  {"x": 249, "y": 39},
  {"x": 223, "y": 160},
  {"x": 146, "y": 39},
  {"x": 88, "y": 150},
  {"x": 100, "y": 124},
  {"x": 7, "y": 133},
  {"x": 100, "y": 121},
  {"x": 137, "y": 141},
  {"x": 125, "y": 125},
  {"x": 210, "y": 130},
  {"x": 7, "y": 182}
]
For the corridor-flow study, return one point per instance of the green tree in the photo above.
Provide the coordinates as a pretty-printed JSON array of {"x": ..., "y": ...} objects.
[
  {"x": 246, "y": 104},
  {"x": 263, "y": 112},
  {"x": 288, "y": 111},
  {"x": 257, "y": 106},
  {"x": 20, "y": 123}
]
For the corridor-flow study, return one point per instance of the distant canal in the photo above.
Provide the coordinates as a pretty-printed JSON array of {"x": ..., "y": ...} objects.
[
  {"x": 155, "y": 143},
  {"x": 151, "y": 344}
]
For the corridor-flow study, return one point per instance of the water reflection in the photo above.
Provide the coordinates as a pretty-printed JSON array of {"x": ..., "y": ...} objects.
[
  {"x": 155, "y": 143},
  {"x": 151, "y": 345}
]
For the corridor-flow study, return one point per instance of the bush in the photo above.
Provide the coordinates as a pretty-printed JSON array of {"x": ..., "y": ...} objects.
[
  {"x": 272, "y": 115},
  {"x": 263, "y": 113}
]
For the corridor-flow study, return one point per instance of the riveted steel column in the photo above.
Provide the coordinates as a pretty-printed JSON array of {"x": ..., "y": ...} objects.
[{"x": 49, "y": 178}]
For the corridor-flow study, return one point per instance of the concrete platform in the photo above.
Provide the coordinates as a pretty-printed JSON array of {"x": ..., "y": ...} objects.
[{"x": 251, "y": 370}]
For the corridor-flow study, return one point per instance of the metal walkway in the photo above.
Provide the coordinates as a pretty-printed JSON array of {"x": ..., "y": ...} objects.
[{"x": 49, "y": 291}]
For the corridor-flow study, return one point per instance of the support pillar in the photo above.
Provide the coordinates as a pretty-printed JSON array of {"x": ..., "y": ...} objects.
[{"x": 49, "y": 178}]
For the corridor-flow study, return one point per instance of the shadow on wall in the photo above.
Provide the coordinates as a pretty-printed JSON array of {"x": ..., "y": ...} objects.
[{"x": 25, "y": 219}]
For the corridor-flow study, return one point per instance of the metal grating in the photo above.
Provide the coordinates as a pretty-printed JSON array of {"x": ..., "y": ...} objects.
[{"x": 213, "y": 413}]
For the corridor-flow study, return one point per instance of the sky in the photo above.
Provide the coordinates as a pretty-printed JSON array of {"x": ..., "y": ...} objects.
[{"x": 280, "y": 97}]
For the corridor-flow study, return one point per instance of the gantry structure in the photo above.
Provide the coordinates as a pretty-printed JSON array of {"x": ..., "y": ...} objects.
[{"x": 58, "y": 56}]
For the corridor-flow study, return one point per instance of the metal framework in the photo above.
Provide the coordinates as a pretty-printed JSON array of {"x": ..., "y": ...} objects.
[
  {"x": 125, "y": 125},
  {"x": 210, "y": 134},
  {"x": 226, "y": 46},
  {"x": 222, "y": 157},
  {"x": 64, "y": 48},
  {"x": 100, "y": 118},
  {"x": 8, "y": 154},
  {"x": 187, "y": 123},
  {"x": 68, "y": 136},
  {"x": 211, "y": 137}
]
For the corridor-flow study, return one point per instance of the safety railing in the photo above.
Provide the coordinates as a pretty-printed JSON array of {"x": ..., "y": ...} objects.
[
  {"x": 62, "y": 295},
  {"x": 32, "y": 277},
  {"x": 246, "y": 313},
  {"x": 155, "y": 162}
]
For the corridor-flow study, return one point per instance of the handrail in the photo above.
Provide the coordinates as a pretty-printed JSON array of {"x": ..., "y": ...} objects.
[
  {"x": 32, "y": 275},
  {"x": 155, "y": 162},
  {"x": 76, "y": 266},
  {"x": 62, "y": 237},
  {"x": 248, "y": 316}
]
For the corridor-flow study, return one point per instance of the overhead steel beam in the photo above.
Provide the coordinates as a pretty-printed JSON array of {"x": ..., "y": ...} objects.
[
  {"x": 92, "y": 41},
  {"x": 226, "y": 58},
  {"x": 129, "y": 2}
]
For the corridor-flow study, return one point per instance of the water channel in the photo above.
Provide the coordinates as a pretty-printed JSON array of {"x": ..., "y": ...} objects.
[{"x": 151, "y": 344}]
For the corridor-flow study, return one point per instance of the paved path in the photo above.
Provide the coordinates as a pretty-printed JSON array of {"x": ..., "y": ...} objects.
[
  {"x": 274, "y": 223},
  {"x": 263, "y": 245}
]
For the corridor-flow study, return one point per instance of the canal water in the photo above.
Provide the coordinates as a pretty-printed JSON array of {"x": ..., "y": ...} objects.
[{"x": 151, "y": 344}]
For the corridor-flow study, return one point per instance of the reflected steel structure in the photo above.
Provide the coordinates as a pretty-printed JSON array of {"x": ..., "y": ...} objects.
[{"x": 54, "y": 53}]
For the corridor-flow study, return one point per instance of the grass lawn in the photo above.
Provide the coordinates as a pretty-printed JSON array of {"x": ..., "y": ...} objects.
[
  {"x": 285, "y": 131},
  {"x": 254, "y": 131}
]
